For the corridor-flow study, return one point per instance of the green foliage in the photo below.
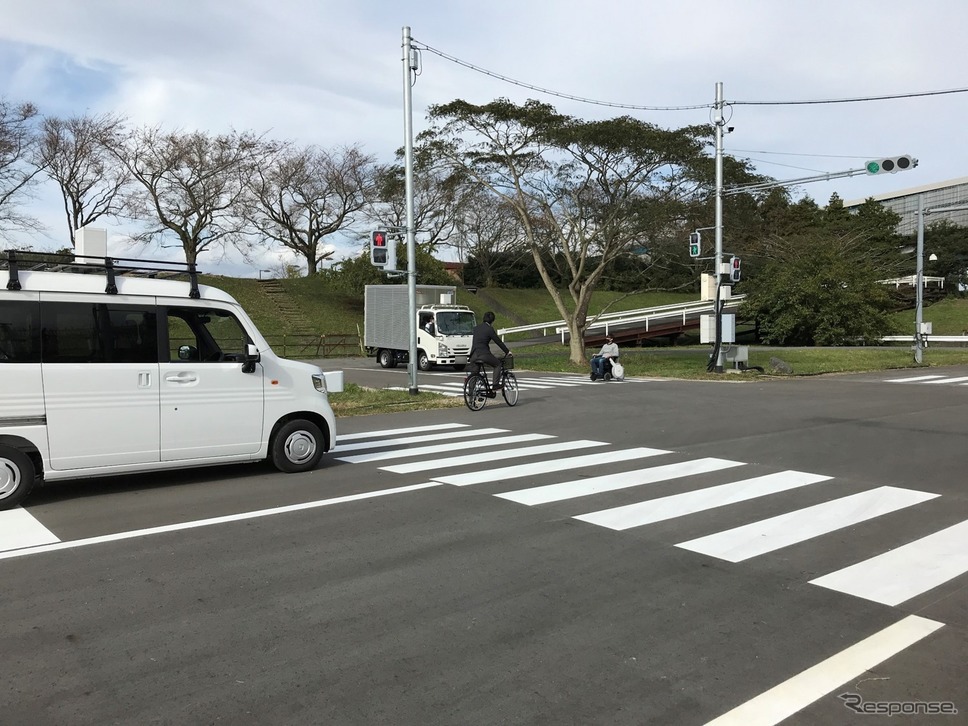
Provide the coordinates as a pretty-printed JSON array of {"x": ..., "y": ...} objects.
[{"x": 822, "y": 292}]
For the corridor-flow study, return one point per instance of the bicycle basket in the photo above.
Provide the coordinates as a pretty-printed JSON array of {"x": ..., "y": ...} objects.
[{"x": 509, "y": 363}]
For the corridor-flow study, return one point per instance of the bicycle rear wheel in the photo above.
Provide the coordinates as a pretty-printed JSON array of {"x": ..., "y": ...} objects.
[
  {"x": 475, "y": 392},
  {"x": 510, "y": 388}
]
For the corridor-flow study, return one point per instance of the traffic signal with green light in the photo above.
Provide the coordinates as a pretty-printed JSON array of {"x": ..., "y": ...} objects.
[{"x": 891, "y": 164}]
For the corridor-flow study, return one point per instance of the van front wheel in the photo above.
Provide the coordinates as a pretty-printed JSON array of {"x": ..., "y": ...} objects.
[
  {"x": 298, "y": 446},
  {"x": 16, "y": 476}
]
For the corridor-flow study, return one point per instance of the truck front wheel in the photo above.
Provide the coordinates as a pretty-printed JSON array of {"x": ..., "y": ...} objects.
[
  {"x": 386, "y": 358},
  {"x": 423, "y": 362}
]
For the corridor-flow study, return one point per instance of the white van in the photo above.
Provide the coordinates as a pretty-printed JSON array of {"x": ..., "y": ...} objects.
[{"x": 106, "y": 370}]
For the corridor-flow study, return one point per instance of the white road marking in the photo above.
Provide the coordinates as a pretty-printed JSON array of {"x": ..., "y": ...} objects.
[
  {"x": 490, "y": 457},
  {"x": 679, "y": 505},
  {"x": 960, "y": 379},
  {"x": 751, "y": 540},
  {"x": 795, "y": 694},
  {"x": 613, "y": 482},
  {"x": 442, "y": 448},
  {"x": 394, "y": 432},
  {"x": 19, "y": 529},
  {"x": 380, "y": 443},
  {"x": 913, "y": 379},
  {"x": 898, "y": 575},
  {"x": 211, "y": 521},
  {"x": 543, "y": 467}
]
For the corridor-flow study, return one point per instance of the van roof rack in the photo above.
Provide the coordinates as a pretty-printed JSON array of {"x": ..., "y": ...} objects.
[{"x": 29, "y": 260}]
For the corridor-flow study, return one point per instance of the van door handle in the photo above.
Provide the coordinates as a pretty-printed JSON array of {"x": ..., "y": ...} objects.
[
  {"x": 182, "y": 378},
  {"x": 144, "y": 380}
]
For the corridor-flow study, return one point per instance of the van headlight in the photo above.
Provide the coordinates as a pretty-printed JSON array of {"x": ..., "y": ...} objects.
[{"x": 319, "y": 382}]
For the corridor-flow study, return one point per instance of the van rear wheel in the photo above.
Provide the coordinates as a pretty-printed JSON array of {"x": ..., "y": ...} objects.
[
  {"x": 16, "y": 476},
  {"x": 297, "y": 446}
]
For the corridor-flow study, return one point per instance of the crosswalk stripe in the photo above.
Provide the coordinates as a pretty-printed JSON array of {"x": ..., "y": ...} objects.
[
  {"x": 341, "y": 448},
  {"x": 490, "y": 457},
  {"x": 795, "y": 694},
  {"x": 19, "y": 529},
  {"x": 912, "y": 379},
  {"x": 394, "y": 432},
  {"x": 900, "y": 574},
  {"x": 542, "y": 467},
  {"x": 614, "y": 482},
  {"x": 751, "y": 540},
  {"x": 441, "y": 448},
  {"x": 679, "y": 505}
]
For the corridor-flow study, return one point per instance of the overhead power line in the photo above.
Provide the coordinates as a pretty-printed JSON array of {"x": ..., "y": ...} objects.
[
  {"x": 506, "y": 79},
  {"x": 582, "y": 99},
  {"x": 859, "y": 99}
]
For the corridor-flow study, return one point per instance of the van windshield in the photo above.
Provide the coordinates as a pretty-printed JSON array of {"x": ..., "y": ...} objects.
[{"x": 456, "y": 323}]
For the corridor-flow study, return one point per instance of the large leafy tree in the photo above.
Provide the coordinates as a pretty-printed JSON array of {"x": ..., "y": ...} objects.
[
  {"x": 817, "y": 278},
  {"x": 304, "y": 195},
  {"x": 583, "y": 192}
]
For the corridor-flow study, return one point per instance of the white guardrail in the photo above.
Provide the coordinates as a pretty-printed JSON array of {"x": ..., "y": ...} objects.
[
  {"x": 664, "y": 313},
  {"x": 926, "y": 338}
]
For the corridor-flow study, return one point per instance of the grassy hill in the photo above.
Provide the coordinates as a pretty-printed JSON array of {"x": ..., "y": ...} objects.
[{"x": 332, "y": 313}]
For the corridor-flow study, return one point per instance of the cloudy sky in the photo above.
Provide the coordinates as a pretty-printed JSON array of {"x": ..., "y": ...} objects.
[{"x": 329, "y": 72}]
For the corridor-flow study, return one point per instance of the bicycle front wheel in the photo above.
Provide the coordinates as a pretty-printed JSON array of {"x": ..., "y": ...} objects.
[
  {"x": 475, "y": 392},
  {"x": 510, "y": 389}
]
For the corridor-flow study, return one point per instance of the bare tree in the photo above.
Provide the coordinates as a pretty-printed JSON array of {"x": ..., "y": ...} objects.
[
  {"x": 304, "y": 195},
  {"x": 18, "y": 171},
  {"x": 75, "y": 153},
  {"x": 191, "y": 185},
  {"x": 438, "y": 191}
]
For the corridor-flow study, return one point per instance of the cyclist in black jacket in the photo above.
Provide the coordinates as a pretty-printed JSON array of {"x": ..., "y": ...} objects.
[{"x": 481, "y": 348}]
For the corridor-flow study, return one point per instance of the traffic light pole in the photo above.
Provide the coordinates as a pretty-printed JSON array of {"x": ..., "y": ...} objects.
[
  {"x": 718, "y": 354},
  {"x": 409, "y": 66}
]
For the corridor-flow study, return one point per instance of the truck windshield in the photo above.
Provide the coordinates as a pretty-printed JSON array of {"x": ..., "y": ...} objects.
[{"x": 456, "y": 323}]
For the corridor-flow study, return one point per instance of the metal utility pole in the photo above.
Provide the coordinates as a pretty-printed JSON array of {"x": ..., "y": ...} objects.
[
  {"x": 719, "y": 123},
  {"x": 409, "y": 66}
]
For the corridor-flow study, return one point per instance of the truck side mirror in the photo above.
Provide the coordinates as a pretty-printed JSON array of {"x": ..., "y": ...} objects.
[{"x": 252, "y": 356}]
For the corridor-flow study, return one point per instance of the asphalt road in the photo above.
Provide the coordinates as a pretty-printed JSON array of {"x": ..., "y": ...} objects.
[{"x": 644, "y": 552}]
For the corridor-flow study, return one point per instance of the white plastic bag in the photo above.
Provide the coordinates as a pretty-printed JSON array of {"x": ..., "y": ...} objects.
[{"x": 618, "y": 371}]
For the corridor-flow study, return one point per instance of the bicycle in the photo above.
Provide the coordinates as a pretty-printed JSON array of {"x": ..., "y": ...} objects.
[{"x": 477, "y": 385}]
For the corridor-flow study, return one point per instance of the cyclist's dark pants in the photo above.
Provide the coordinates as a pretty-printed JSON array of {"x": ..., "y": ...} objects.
[{"x": 491, "y": 360}]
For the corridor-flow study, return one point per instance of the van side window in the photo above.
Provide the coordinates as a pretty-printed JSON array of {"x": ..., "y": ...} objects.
[
  {"x": 98, "y": 333},
  {"x": 205, "y": 335},
  {"x": 19, "y": 331}
]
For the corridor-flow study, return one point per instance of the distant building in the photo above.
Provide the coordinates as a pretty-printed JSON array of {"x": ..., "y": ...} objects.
[
  {"x": 455, "y": 270},
  {"x": 905, "y": 203}
]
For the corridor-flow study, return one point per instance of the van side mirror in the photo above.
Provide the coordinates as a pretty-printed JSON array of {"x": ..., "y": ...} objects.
[
  {"x": 252, "y": 356},
  {"x": 187, "y": 352}
]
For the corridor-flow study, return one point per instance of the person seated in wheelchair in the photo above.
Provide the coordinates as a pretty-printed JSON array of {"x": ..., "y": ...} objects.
[
  {"x": 481, "y": 349},
  {"x": 602, "y": 361}
]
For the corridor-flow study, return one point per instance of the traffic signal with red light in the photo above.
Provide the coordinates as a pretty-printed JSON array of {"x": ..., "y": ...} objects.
[
  {"x": 734, "y": 269},
  {"x": 379, "y": 249}
]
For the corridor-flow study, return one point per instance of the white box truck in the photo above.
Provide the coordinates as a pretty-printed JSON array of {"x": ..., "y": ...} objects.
[
  {"x": 444, "y": 329},
  {"x": 106, "y": 370}
]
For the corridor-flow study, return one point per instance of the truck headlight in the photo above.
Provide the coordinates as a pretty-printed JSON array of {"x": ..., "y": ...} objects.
[
  {"x": 443, "y": 351},
  {"x": 319, "y": 382}
]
